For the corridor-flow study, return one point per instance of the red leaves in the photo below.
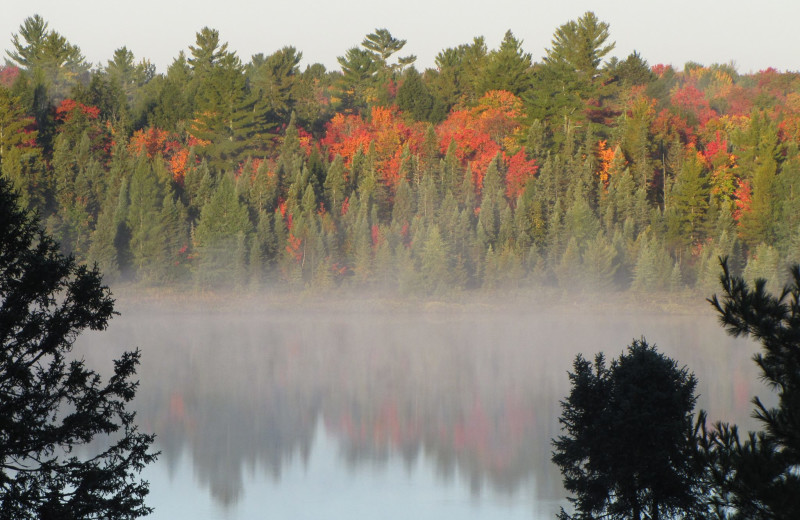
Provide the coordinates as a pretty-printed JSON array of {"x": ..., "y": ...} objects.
[
  {"x": 483, "y": 131},
  {"x": 744, "y": 199},
  {"x": 520, "y": 170},
  {"x": 693, "y": 102},
  {"x": 377, "y": 238},
  {"x": 388, "y": 134},
  {"x": 293, "y": 247},
  {"x": 8, "y": 75},
  {"x": 660, "y": 69},
  {"x": 69, "y": 109}
]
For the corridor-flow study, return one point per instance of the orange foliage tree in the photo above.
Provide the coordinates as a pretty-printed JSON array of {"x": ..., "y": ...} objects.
[
  {"x": 386, "y": 132},
  {"x": 492, "y": 126}
]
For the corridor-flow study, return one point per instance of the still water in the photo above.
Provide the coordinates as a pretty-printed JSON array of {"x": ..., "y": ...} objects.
[{"x": 373, "y": 412}]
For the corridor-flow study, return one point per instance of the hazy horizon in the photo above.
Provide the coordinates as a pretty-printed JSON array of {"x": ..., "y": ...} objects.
[{"x": 686, "y": 31}]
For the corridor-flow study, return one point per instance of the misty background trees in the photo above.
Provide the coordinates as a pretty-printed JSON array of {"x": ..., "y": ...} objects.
[{"x": 578, "y": 169}]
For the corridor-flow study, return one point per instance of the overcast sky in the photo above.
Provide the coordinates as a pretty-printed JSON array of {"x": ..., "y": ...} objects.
[{"x": 752, "y": 35}]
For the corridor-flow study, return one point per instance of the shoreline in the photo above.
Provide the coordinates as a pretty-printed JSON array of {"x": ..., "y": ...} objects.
[{"x": 132, "y": 299}]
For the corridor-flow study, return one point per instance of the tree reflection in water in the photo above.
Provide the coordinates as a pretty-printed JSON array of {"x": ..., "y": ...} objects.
[{"x": 475, "y": 394}]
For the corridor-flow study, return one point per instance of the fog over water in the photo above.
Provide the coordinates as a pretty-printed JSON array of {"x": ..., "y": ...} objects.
[{"x": 365, "y": 411}]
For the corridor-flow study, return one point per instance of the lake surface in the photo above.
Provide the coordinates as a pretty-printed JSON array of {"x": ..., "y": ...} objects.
[{"x": 382, "y": 413}]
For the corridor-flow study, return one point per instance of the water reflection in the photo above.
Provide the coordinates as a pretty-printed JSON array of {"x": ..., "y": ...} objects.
[{"x": 472, "y": 395}]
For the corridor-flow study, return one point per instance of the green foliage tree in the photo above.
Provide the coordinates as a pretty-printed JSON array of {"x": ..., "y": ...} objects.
[
  {"x": 274, "y": 82},
  {"x": 222, "y": 219},
  {"x": 146, "y": 194},
  {"x": 581, "y": 45},
  {"x": 569, "y": 75},
  {"x": 52, "y": 406},
  {"x": 628, "y": 439},
  {"x": 413, "y": 96},
  {"x": 224, "y": 108},
  {"x": 756, "y": 477},
  {"x": 508, "y": 68},
  {"x": 43, "y": 51},
  {"x": 355, "y": 88},
  {"x": 13, "y": 123},
  {"x": 382, "y": 45}
]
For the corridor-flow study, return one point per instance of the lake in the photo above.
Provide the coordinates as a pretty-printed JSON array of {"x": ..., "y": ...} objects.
[{"x": 369, "y": 411}]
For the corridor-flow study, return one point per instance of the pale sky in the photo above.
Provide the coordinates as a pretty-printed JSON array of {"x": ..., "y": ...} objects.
[{"x": 752, "y": 35}]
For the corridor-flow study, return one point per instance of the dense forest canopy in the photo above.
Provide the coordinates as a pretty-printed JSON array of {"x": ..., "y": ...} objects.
[{"x": 581, "y": 171}]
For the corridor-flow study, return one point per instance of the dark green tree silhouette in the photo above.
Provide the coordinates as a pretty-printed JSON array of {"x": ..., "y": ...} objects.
[
  {"x": 756, "y": 477},
  {"x": 628, "y": 442},
  {"x": 51, "y": 404}
]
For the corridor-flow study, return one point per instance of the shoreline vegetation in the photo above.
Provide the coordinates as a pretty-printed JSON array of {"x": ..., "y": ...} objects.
[
  {"x": 582, "y": 173},
  {"x": 134, "y": 298}
]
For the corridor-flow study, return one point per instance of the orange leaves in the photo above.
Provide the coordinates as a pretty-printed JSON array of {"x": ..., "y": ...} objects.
[
  {"x": 150, "y": 142},
  {"x": 669, "y": 127},
  {"x": 69, "y": 108},
  {"x": 385, "y": 132},
  {"x": 154, "y": 142},
  {"x": 293, "y": 244},
  {"x": 605, "y": 156},
  {"x": 492, "y": 126},
  {"x": 519, "y": 171},
  {"x": 744, "y": 199}
]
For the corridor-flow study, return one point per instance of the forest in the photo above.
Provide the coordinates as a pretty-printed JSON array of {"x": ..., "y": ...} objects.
[{"x": 491, "y": 171}]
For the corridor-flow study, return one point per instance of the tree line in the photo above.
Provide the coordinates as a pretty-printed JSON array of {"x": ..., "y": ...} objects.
[{"x": 491, "y": 170}]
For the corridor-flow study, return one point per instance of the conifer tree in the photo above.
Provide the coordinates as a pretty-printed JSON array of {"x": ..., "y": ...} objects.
[
  {"x": 54, "y": 407},
  {"x": 215, "y": 237},
  {"x": 628, "y": 440},
  {"x": 146, "y": 195},
  {"x": 755, "y": 476},
  {"x": 508, "y": 68}
]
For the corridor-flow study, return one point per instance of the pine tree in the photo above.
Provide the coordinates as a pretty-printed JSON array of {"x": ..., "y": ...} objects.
[
  {"x": 755, "y": 477},
  {"x": 53, "y": 406},
  {"x": 628, "y": 440},
  {"x": 103, "y": 250},
  {"x": 335, "y": 186},
  {"x": 508, "y": 68},
  {"x": 434, "y": 263}
]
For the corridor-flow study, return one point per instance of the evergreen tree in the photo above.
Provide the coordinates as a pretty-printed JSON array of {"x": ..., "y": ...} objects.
[
  {"x": 103, "y": 249},
  {"x": 144, "y": 221},
  {"x": 434, "y": 262},
  {"x": 335, "y": 186},
  {"x": 413, "y": 97},
  {"x": 508, "y": 68},
  {"x": 215, "y": 237},
  {"x": 627, "y": 445},
  {"x": 688, "y": 202},
  {"x": 53, "y": 406},
  {"x": 756, "y": 477}
]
